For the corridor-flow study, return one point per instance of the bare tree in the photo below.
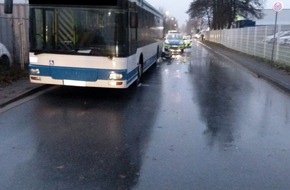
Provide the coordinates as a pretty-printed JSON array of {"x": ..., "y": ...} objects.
[
  {"x": 201, "y": 9},
  {"x": 169, "y": 22},
  {"x": 222, "y": 13},
  {"x": 193, "y": 25}
]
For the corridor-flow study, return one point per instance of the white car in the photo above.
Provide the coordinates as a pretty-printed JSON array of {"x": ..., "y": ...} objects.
[
  {"x": 285, "y": 40},
  {"x": 197, "y": 35},
  {"x": 5, "y": 57},
  {"x": 270, "y": 38}
]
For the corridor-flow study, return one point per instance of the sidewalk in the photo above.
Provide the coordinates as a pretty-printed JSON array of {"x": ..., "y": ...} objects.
[
  {"x": 16, "y": 91},
  {"x": 260, "y": 68},
  {"x": 280, "y": 78}
]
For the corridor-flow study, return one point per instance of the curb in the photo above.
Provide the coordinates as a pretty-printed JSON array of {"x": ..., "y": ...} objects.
[{"x": 24, "y": 94}]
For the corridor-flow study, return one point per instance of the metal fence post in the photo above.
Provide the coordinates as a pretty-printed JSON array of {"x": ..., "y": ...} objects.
[
  {"x": 277, "y": 45},
  {"x": 255, "y": 41},
  {"x": 265, "y": 45},
  {"x": 248, "y": 38},
  {"x": 275, "y": 40}
]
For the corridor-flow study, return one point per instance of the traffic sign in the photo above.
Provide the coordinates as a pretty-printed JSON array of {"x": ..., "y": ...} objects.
[{"x": 278, "y": 6}]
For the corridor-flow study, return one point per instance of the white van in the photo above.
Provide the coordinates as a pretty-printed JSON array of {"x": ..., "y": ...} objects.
[{"x": 5, "y": 57}]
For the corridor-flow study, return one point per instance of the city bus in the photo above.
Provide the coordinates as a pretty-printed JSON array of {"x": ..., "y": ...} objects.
[{"x": 107, "y": 44}]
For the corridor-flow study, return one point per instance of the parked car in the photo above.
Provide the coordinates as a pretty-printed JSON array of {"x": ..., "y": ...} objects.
[
  {"x": 197, "y": 35},
  {"x": 285, "y": 40},
  {"x": 187, "y": 41},
  {"x": 270, "y": 38},
  {"x": 5, "y": 57},
  {"x": 173, "y": 44}
]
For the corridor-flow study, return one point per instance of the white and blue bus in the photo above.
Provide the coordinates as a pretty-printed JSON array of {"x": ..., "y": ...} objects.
[{"x": 92, "y": 43}]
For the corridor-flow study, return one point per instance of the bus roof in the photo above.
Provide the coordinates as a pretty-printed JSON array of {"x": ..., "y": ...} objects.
[
  {"x": 74, "y": 2},
  {"x": 121, "y": 3},
  {"x": 150, "y": 8}
]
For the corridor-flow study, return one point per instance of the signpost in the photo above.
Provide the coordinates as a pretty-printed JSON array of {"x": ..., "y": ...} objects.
[{"x": 277, "y": 7}]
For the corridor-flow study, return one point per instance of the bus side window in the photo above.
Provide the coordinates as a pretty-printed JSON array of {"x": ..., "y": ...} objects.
[{"x": 133, "y": 20}]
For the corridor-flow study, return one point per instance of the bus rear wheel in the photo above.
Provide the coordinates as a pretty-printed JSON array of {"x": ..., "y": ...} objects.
[
  {"x": 157, "y": 57},
  {"x": 139, "y": 73}
]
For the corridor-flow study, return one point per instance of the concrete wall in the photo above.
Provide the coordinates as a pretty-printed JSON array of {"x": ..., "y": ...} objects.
[{"x": 14, "y": 32}]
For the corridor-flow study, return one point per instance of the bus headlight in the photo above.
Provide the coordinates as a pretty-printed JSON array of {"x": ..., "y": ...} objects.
[
  {"x": 34, "y": 71},
  {"x": 115, "y": 76}
]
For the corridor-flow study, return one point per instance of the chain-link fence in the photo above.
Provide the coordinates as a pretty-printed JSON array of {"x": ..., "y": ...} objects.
[{"x": 259, "y": 41}]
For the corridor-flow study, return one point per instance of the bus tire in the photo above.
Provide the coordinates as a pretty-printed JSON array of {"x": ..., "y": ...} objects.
[
  {"x": 139, "y": 71},
  {"x": 4, "y": 62},
  {"x": 157, "y": 57}
]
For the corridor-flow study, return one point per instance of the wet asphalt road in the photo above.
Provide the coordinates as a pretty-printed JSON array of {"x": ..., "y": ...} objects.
[{"x": 195, "y": 123}]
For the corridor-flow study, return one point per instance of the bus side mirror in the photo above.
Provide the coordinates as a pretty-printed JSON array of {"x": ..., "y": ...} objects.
[
  {"x": 8, "y": 6},
  {"x": 133, "y": 20}
]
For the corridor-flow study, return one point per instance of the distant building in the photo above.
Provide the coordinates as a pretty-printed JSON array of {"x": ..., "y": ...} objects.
[
  {"x": 243, "y": 23},
  {"x": 269, "y": 17}
]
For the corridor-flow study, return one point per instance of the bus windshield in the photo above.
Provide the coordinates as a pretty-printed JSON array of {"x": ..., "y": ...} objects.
[{"x": 74, "y": 30}]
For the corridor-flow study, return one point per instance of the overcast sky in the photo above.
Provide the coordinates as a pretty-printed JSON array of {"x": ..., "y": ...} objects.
[{"x": 177, "y": 8}]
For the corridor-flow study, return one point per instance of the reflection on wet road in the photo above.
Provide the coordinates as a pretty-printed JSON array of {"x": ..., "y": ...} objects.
[{"x": 196, "y": 122}]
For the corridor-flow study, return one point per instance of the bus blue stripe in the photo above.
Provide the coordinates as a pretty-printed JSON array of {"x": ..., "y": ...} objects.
[
  {"x": 150, "y": 62},
  {"x": 81, "y": 74}
]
